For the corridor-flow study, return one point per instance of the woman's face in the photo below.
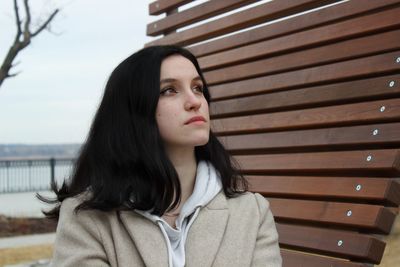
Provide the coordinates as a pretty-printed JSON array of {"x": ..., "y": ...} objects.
[{"x": 182, "y": 110}]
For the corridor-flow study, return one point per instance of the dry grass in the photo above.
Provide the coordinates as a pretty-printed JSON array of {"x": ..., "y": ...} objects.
[
  {"x": 25, "y": 226},
  {"x": 391, "y": 257},
  {"x": 25, "y": 254}
]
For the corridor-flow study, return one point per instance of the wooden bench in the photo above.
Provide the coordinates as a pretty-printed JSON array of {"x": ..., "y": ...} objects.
[{"x": 306, "y": 95}]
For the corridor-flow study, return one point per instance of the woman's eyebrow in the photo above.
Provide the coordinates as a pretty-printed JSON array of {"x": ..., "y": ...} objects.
[
  {"x": 167, "y": 80},
  {"x": 170, "y": 80}
]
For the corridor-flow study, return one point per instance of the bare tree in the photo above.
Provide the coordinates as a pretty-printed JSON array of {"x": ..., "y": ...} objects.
[{"x": 23, "y": 38}]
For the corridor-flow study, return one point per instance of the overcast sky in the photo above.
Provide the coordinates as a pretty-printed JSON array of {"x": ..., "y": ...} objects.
[{"x": 62, "y": 76}]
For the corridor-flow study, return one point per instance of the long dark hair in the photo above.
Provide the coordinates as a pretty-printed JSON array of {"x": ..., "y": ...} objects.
[{"x": 123, "y": 163}]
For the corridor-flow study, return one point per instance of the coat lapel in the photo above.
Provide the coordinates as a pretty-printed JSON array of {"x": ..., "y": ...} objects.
[
  {"x": 147, "y": 238},
  {"x": 206, "y": 233}
]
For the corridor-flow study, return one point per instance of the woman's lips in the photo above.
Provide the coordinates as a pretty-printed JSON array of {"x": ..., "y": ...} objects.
[{"x": 196, "y": 119}]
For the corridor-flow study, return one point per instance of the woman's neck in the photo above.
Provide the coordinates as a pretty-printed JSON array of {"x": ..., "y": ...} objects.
[{"x": 184, "y": 161}]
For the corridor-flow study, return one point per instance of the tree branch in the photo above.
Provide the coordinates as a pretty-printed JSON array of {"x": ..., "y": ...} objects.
[
  {"x": 27, "y": 33},
  {"x": 13, "y": 74},
  {"x": 19, "y": 44},
  {"x": 17, "y": 19},
  {"x": 7, "y": 63},
  {"x": 45, "y": 24}
]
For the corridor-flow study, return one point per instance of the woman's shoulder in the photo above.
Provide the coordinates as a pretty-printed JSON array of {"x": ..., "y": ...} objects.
[
  {"x": 247, "y": 197},
  {"x": 71, "y": 203},
  {"x": 249, "y": 201},
  {"x": 70, "y": 208}
]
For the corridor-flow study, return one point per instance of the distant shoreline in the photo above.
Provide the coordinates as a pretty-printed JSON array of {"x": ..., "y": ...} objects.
[
  {"x": 36, "y": 157},
  {"x": 35, "y": 151}
]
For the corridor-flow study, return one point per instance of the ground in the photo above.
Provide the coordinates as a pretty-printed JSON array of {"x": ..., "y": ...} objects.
[
  {"x": 10, "y": 256},
  {"x": 391, "y": 257},
  {"x": 10, "y": 226}
]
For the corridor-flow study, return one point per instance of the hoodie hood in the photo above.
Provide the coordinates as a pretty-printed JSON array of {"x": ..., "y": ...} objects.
[{"x": 207, "y": 186}]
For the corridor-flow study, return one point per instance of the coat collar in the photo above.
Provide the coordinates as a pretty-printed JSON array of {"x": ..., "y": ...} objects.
[
  {"x": 202, "y": 243},
  {"x": 147, "y": 238},
  {"x": 206, "y": 233}
]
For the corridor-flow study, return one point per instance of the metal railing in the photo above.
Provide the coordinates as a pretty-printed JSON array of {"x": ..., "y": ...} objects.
[{"x": 33, "y": 174}]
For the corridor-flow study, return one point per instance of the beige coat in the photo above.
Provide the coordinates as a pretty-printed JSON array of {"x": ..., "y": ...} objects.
[{"x": 227, "y": 232}]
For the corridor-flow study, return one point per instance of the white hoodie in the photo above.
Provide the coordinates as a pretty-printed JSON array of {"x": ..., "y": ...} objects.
[{"x": 207, "y": 186}]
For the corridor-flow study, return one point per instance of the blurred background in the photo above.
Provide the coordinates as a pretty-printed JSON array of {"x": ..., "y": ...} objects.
[{"x": 47, "y": 108}]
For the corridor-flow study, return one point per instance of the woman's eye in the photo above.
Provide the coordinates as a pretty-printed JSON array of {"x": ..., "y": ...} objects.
[
  {"x": 168, "y": 91},
  {"x": 198, "y": 88}
]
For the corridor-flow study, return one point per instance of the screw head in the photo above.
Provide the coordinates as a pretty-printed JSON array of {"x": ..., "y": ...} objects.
[
  {"x": 340, "y": 243},
  {"x": 391, "y": 83},
  {"x": 369, "y": 158},
  {"x": 375, "y": 132},
  {"x": 398, "y": 60},
  {"x": 382, "y": 109},
  {"x": 358, "y": 187},
  {"x": 349, "y": 213},
  {"x": 155, "y": 25}
]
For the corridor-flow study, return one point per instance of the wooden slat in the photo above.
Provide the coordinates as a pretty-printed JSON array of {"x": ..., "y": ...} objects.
[
  {"x": 297, "y": 259},
  {"x": 332, "y": 33},
  {"x": 361, "y": 217},
  {"x": 371, "y": 190},
  {"x": 359, "y": 47},
  {"x": 340, "y": 115},
  {"x": 194, "y": 14},
  {"x": 383, "y": 161},
  {"x": 364, "y": 136},
  {"x": 351, "y": 69},
  {"x": 311, "y": 239},
  {"x": 285, "y": 27},
  {"x": 162, "y": 6},
  {"x": 338, "y": 93},
  {"x": 240, "y": 20}
]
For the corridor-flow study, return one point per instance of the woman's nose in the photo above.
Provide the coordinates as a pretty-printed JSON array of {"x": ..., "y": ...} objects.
[{"x": 192, "y": 101}]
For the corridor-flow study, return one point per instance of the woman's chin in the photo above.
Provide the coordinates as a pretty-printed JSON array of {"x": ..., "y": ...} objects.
[{"x": 202, "y": 142}]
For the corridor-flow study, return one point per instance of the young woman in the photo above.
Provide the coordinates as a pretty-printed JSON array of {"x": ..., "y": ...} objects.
[{"x": 153, "y": 186}]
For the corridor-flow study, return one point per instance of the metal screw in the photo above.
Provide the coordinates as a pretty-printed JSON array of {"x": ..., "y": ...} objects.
[
  {"x": 340, "y": 243},
  {"x": 369, "y": 158},
  {"x": 382, "y": 108},
  {"x": 398, "y": 60},
  {"x": 155, "y": 25},
  {"x": 358, "y": 187},
  {"x": 391, "y": 84},
  {"x": 375, "y": 132},
  {"x": 348, "y": 213}
]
